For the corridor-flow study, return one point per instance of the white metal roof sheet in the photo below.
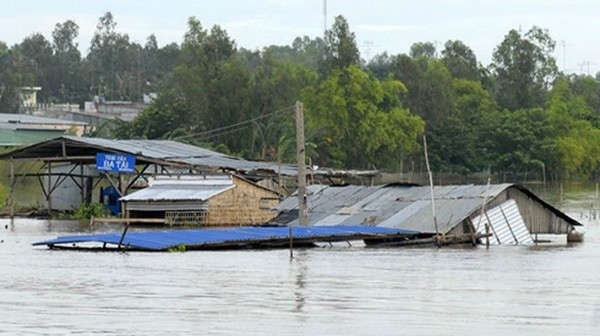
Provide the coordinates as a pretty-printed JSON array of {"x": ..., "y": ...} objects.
[{"x": 177, "y": 192}]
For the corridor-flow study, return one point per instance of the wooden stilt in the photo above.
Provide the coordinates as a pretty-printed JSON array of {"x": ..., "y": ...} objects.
[
  {"x": 11, "y": 196},
  {"x": 82, "y": 184},
  {"x": 49, "y": 194},
  {"x": 123, "y": 235}
]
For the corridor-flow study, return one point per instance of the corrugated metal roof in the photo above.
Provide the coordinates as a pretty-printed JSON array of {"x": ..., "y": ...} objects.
[
  {"x": 153, "y": 150},
  {"x": 186, "y": 154},
  {"x": 162, "y": 240},
  {"x": 178, "y": 192},
  {"x": 506, "y": 225},
  {"x": 13, "y": 137},
  {"x": 407, "y": 207},
  {"x": 169, "y": 152},
  {"x": 11, "y": 118},
  {"x": 189, "y": 188}
]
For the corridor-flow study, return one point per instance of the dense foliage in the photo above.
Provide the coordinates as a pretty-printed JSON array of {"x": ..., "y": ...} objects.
[{"x": 518, "y": 114}]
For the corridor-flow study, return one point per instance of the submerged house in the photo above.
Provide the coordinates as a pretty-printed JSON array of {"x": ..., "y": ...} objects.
[
  {"x": 213, "y": 200},
  {"x": 512, "y": 212}
]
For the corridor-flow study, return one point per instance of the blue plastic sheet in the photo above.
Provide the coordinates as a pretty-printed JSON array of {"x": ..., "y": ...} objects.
[{"x": 163, "y": 240}]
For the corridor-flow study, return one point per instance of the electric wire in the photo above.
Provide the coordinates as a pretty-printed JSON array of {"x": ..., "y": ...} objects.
[{"x": 229, "y": 129}]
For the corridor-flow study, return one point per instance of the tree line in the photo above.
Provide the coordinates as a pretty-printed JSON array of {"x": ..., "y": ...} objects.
[{"x": 519, "y": 114}]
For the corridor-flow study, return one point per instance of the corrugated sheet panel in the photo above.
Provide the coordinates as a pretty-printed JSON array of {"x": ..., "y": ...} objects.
[
  {"x": 506, "y": 224},
  {"x": 394, "y": 206},
  {"x": 177, "y": 192},
  {"x": 166, "y": 205},
  {"x": 187, "y": 154},
  {"x": 162, "y": 240},
  {"x": 30, "y": 119},
  {"x": 419, "y": 215}
]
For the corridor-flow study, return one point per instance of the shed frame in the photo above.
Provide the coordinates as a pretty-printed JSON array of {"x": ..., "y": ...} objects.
[{"x": 153, "y": 157}]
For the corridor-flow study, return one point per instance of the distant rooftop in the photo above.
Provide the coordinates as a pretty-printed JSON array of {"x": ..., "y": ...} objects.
[{"x": 16, "y": 119}]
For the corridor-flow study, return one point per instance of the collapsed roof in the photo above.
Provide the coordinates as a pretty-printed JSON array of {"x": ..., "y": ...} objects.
[{"x": 398, "y": 206}]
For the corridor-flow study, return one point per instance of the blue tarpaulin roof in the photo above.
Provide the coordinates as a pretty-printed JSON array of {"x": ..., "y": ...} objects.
[{"x": 163, "y": 240}]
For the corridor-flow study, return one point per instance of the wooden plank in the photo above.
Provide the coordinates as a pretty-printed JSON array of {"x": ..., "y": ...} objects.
[{"x": 128, "y": 220}]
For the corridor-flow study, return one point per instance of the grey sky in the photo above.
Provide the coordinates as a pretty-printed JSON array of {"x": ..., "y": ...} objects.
[{"x": 384, "y": 25}]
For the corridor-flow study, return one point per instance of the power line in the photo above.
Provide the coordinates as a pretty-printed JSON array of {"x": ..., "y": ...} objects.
[{"x": 215, "y": 132}]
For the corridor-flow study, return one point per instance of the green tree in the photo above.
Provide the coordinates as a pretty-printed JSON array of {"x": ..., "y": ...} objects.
[
  {"x": 460, "y": 60},
  {"x": 163, "y": 119},
  {"x": 275, "y": 86},
  {"x": 340, "y": 46},
  {"x": 575, "y": 139},
  {"x": 67, "y": 83},
  {"x": 521, "y": 143},
  {"x": 9, "y": 82},
  {"x": 32, "y": 61},
  {"x": 589, "y": 89},
  {"x": 461, "y": 141},
  {"x": 429, "y": 86},
  {"x": 381, "y": 65},
  {"x": 422, "y": 49},
  {"x": 524, "y": 68},
  {"x": 114, "y": 62},
  {"x": 357, "y": 121}
]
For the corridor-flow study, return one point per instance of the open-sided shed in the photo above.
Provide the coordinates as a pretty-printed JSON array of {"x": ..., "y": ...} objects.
[{"x": 69, "y": 159}]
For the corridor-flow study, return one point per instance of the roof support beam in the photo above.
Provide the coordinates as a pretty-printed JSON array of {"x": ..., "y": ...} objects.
[{"x": 137, "y": 175}]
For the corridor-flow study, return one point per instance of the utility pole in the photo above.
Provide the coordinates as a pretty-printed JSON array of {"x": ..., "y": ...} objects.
[
  {"x": 300, "y": 151},
  {"x": 302, "y": 215},
  {"x": 324, "y": 18}
]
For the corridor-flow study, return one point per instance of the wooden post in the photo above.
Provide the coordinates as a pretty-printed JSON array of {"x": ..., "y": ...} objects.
[
  {"x": 82, "y": 183},
  {"x": 49, "y": 191},
  {"x": 123, "y": 235},
  {"x": 302, "y": 215},
  {"x": 487, "y": 235},
  {"x": 11, "y": 196},
  {"x": 300, "y": 151},
  {"x": 437, "y": 233}
]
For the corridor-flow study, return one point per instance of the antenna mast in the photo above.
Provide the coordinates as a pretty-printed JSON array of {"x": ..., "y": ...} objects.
[{"x": 324, "y": 17}]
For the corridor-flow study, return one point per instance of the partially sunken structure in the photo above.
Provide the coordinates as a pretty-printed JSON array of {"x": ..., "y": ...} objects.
[
  {"x": 213, "y": 200},
  {"x": 513, "y": 213}
]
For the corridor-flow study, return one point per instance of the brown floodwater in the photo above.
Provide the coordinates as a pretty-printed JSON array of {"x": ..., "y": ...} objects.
[{"x": 550, "y": 289}]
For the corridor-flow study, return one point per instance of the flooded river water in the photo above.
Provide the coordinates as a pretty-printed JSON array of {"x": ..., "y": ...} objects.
[{"x": 544, "y": 290}]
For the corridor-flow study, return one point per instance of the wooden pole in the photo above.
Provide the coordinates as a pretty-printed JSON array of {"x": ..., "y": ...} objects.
[
  {"x": 484, "y": 202},
  {"x": 49, "y": 193},
  {"x": 302, "y": 215},
  {"x": 82, "y": 183},
  {"x": 300, "y": 151},
  {"x": 487, "y": 235},
  {"x": 123, "y": 235},
  {"x": 11, "y": 196},
  {"x": 437, "y": 233}
]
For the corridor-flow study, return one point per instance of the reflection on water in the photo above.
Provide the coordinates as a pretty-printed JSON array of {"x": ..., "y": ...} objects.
[
  {"x": 300, "y": 269},
  {"x": 340, "y": 290}
]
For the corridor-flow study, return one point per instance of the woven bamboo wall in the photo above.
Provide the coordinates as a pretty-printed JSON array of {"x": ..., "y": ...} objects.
[{"x": 246, "y": 204}]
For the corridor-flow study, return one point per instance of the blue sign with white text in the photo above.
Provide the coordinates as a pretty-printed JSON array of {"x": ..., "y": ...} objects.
[{"x": 121, "y": 163}]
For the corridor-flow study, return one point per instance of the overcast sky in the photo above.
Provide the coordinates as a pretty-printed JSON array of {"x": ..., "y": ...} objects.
[{"x": 384, "y": 25}]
